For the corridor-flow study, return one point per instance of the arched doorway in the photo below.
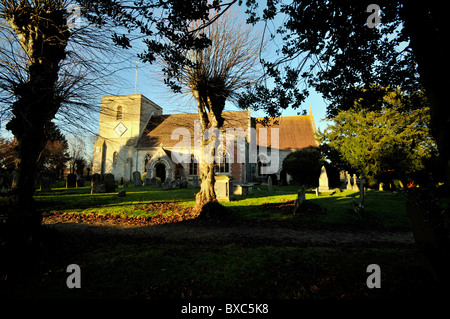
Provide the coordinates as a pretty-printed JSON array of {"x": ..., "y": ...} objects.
[{"x": 160, "y": 170}]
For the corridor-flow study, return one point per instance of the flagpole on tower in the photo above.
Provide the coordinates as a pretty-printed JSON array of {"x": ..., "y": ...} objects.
[{"x": 135, "y": 81}]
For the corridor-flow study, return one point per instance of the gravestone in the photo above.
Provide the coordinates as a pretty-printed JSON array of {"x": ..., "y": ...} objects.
[
  {"x": 96, "y": 177},
  {"x": 97, "y": 187},
  {"x": 361, "y": 192},
  {"x": 110, "y": 184},
  {"x": 137, "y": 178},
  {"x": 45, "y": 181},
  {"x": 317, "y": 191},
  {"x": 355, "y": 183},
  {"x": 269, "y": 183},
  {"x": 380, "y": 187},
  {"x": 167, "y": 184},
  {"x": 184, "y": 184},
  {"x": 195, "y": 182},
  {"x": 71, "y": 180},
  {"x": 122, "y": 193},
  {"x": 359, "y": 208},
  {"x": 80, "y": 182},
  {"x": 301, "y": 197},
  {"x": 323, "y": 180},
  {"x": 348, "y": 181},
  {"x": 222, "y": 188},
  {"x": 152, "y": 181}
]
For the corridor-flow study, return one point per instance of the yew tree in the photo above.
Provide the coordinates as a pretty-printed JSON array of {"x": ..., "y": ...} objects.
[{"x": 392, "y": 141}]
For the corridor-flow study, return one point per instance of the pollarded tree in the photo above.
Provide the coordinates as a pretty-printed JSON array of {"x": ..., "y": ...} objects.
[
  {"x": 46, "y": 69},
  {"x": 215, "y": 74},
  {"x": 42, "y": 31}
]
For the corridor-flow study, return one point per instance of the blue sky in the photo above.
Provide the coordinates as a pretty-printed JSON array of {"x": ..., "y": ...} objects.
[{"x": 150, "y": 84}]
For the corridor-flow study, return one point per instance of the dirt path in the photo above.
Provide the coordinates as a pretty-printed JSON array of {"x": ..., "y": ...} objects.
[{"x": 223, "y": 233}]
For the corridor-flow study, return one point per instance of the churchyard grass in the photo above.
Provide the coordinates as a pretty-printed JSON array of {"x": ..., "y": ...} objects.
[
  {"x": 383, "y": 209},
  {"x": 123, "y": 268}
]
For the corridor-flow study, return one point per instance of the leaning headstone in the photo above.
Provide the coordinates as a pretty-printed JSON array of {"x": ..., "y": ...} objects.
[
  {"x": 323, "y": 180},
  {"x": 137, "y": 178},
  {"x": 71, "y": 180},
  {"x": 110, "y": 184},
  {"x": 300, "y": 200},
  {"x": 317, "y": 191},
  {"x": 269, "y": 183},
  {"x": 122, "y": 193},
  {"x": 45, "y": 181}
]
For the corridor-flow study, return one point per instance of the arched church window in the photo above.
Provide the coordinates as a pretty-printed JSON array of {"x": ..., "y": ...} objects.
[
  {"x": 119, "y": 113},
  {"x": 222, "y": 164},
  {"x": 146, "y": 160},
  {"x": 263, "y": 161},
  {"x": 115, "y": 157},
  {"x": 193, "y": 166}
]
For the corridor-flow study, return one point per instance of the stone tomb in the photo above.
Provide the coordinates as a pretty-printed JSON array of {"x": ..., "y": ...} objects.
[{"x": 222, "y": 188}]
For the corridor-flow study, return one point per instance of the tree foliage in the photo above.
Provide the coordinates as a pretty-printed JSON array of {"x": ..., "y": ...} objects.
[
  {"x": 304, "y": 166},
  {"x": 393, "y": 141}
]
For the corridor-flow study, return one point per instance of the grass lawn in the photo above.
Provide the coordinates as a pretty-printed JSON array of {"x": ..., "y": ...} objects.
[
  {"x": 117, "y": 268},
  {"x": 383, "y": 209},
  {"x": 162, "y": 271}
]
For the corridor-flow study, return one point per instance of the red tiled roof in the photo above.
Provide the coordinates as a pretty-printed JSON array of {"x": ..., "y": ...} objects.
[
  {"x": 160, "y": 127},
  {"x": 295, "y": 132}
]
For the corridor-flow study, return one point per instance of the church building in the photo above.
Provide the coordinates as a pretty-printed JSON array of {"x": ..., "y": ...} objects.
[{"x": 135, "y": 135}]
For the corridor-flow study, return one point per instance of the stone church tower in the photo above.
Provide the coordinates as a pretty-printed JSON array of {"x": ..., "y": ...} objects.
[{"x": 122, "y": 121}]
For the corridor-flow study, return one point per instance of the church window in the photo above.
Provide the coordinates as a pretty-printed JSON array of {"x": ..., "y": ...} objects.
[
  {"x": 193, "y": 166},
  {"x": 119, "y": 113},
  {"x": 222, "y": 165},
  {"x": 115, "y": 156},
  {"x": 146, "y": 160},
  {"x": 262, "y": 162}
]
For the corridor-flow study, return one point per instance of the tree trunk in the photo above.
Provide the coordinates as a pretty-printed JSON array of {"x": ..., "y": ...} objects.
[
  {"x": 206, "y": 202},
  {"x": 43, "y": 33},
  {"x": 427, "y": 28},
  {"x": 206, "y": 193},
  {"x": 42, "y": 30}
]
